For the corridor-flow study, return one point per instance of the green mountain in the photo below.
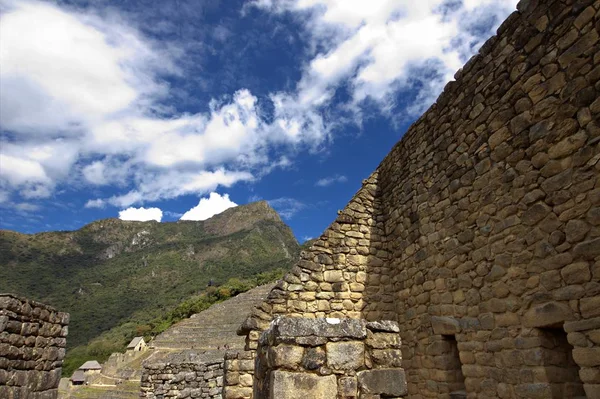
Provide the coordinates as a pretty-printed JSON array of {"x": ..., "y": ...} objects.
[{"x": 111, "y": 271}]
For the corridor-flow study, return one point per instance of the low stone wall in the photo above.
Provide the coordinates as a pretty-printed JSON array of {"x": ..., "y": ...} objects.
[
  {"x": 329, "y": 358},
  {"x": 182, "y": 380},
  {"x": 32, "y": 348}
]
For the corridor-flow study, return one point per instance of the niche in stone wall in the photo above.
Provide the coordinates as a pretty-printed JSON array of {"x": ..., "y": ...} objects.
[
  {"x": 561, "y": 371},
  {"x": 450, "y": 361}
]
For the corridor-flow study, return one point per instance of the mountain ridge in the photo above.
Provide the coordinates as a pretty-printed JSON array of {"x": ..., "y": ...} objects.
[{"x": 111, "y": 270}]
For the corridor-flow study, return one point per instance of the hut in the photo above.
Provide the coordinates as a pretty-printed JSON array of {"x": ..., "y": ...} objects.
[
  {"x": 90, "y": 367},
  {"x": 137, "y": 344}
]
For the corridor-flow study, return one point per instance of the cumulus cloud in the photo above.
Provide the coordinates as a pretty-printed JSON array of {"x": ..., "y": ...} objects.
[
  {"x": 208, "y": 207},
  {"x": 380, "y": 47},
  {"x": 327, "y": 181},
  {"x": 141, "y": 214},
  {"x": 82, "y": 95},
  {"x": 93, "y": 113}
]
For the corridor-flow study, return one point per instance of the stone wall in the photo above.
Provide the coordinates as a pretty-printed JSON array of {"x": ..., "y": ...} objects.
[
  {"x": 480, "y": 232},
  {"x": 320, "y": 358},
  {"x": 32, "y": 348},
  {"x": 238, "y": 374},
  {"x": 182, "y": 380}
]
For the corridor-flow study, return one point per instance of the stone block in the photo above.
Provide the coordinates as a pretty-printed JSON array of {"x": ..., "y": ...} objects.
[
  {"x": 333, "y": 276},
  {"x": 386, "y": 357},
  {"x": 587, "y": 357},
  {"x": 383, "y": 326},
  {"x": 290, "y": 385},
  {"x": 293, "y": 327},
  {"x": 534, "y": 391},
  {"x": 345, "y": 355},
  {"x": 388, "y": 382},
  {"x": 549, "y": 314},
  {"x": 238, "y": 393},
  {"x": 445, "y": 325},
  {"x": 590, "y": 307},
  {"x": 285, "y": 356},
  {"x": 314, "y": 358},
  {"x": 347, "y": 388}
]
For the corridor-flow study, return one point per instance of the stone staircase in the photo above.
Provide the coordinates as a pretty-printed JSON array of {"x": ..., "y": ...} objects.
[{"x": 204, "y": 335}]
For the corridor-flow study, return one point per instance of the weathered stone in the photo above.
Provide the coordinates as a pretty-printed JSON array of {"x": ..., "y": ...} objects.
[
  {"x": 388, "y": 382},
  {"x": 314, "y": 358},
  {"x": 547, "y": 315},
  {"x": 345, "y": 355},
  {"x": 588, "y": 249},
  {"x": 347, "y": 387},
  {"x": 576, "y": 230},
  {"x": 330, "y": 328},
  {"x": 445, "y": 325},
  {"x": 383, "y": 325},
  {"x": 285, "y": 356},
  {"x": 289, "y": 385}
]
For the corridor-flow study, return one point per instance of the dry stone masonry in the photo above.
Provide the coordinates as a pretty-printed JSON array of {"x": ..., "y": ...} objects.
[
  {"x": 32, "y": 348},
  {"x": 183, "y": 380},
  {"x": 479, "y": 234},
  {"x": 301, "y": 358}
]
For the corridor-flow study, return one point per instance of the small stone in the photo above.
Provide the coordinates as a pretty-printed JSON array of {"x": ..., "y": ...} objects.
[
  {"x": 345, "y": 355},
  {"x": 576, "y": 230},
  {"x": 588, "y": 249},
  {"x": 576, "y": 273}
]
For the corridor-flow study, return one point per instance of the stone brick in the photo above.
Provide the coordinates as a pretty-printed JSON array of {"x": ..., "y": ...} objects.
[
  {"x": 291, "y": 385},
  {"x": 345, "y": 355},
  {"x": 388, "y": 382},
  {"x": 547, "y": 315}
]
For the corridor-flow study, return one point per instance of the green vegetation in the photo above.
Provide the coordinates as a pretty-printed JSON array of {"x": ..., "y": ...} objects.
[
  {"x": 126, "y": 276},
  {"x": 116, "y": 339}
]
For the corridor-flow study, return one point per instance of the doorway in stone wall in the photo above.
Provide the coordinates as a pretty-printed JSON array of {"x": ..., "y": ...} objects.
[
  {"x": 453, "y": 367},
  {"x": 562, "y": 372}
]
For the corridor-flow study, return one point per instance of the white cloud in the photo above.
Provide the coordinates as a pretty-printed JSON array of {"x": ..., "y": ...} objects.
[
  {"x": 27, "y": 207},
  {"x": 208, "y": 207},
  {"x": 286, "y": 207},
  {"x": 82, "y": 94},
  {"x": 327, "y": 181},
  {"x": 375, "y": 44},
  {"x": 141, "y": 214},
  {"x": 97, "y": 203}
]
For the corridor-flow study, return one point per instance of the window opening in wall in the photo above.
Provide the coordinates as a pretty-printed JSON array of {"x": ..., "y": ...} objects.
[
  {"x": 561, "y": 370},
  {"x": 454, "y": 376}
]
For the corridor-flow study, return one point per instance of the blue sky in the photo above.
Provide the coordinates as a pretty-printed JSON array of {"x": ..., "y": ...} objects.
[{"x": 182, "y": 108}]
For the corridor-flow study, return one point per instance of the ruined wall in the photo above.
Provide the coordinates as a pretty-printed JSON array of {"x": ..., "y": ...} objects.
[
  {"x": 329, "y": 358},
  {"x": 182, "y": 380},
  {"x": 480, "y": 231},
  {"x": 32, "y": 348}
]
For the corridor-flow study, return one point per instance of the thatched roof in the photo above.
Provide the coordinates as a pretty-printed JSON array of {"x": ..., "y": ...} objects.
[
  {"x": 90, "y": 365},
  {"x": 78, "y": 376}
]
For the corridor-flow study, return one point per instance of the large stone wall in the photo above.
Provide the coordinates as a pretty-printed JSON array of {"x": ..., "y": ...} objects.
[
  {"x": 32, "y": 348},
  {"x": 480, "y": 232}
]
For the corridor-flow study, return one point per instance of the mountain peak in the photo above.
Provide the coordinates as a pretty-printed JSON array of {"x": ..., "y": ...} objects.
[{"x": 241, "y": 217}]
